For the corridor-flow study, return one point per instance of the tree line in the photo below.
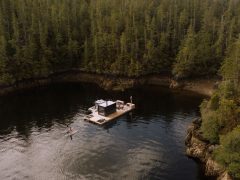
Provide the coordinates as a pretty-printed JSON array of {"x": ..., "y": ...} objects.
[
  {"x": 122, "y": 37},
  {"x": 221, "y": 114}
]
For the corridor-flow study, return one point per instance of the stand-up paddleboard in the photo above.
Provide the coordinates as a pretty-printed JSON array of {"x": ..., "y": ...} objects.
[{"x": 70, "y": 133}]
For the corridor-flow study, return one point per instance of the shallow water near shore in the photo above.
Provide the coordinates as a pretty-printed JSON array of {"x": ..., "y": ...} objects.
[{"x": 145, "y": 144}]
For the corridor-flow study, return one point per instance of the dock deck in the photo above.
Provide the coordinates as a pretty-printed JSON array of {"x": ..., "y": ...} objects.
[{"x": 95, "y": 118}]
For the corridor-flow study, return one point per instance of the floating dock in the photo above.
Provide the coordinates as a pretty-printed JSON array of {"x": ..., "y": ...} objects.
[{"x": 98, "y": 113}]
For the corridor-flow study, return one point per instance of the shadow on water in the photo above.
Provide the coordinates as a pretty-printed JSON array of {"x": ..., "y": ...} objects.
[{"x": 145, "y": 144}]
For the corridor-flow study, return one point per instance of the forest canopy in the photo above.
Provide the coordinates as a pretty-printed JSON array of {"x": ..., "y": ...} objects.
[
  {"x": 221, "y": 114},
  {"x": 123, "y": 37}
]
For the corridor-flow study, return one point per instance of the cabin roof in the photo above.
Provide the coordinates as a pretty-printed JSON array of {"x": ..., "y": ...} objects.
[
  {"x": 100, "y": 101},
  {"x": 106, "y": 103}
]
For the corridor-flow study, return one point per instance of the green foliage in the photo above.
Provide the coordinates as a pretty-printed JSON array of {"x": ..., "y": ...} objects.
[
  {"x": 230, "y": 69},
  {"x": 221, "y": 114},
  {"x": 196, "y": 56},
  {"x": 228, "y": 154},
  {"x": 214, "y": 101},
  {"x": 5, "y": 76},
  {"x": 227, "y": 89},
  {"x": 186, "y": 56},
  {"x": 124, "y": 37},
  {"x": 210, "y": 126}
]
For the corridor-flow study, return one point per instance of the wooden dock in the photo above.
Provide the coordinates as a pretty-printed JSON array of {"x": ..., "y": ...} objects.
[{"x": 95, "y": 118}]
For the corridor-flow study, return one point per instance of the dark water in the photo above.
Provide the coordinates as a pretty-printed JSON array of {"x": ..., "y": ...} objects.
[{"x": 147, "y": 145}]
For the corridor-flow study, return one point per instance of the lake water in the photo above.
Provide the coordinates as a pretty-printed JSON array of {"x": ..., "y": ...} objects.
[{"x": 147, "y": 144}]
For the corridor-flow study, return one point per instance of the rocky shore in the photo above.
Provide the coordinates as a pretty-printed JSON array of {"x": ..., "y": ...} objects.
[
  {"x": 199, "y": 148},
  {"x": 114, "y": 83}
]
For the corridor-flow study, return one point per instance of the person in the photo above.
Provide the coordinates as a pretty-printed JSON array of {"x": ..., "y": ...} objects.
[
  {"x": 70, "y": 132},
  {"x": 69, "y": 129}
]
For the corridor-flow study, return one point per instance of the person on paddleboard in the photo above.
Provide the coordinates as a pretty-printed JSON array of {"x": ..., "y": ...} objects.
[{"x": 70, "y": 129}]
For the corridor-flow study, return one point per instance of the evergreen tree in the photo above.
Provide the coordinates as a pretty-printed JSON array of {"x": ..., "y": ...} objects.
[
  {"x": 186, "y": 56},
  {"x": 231, "y": 66},
  {"x": 108, "y": 36}
]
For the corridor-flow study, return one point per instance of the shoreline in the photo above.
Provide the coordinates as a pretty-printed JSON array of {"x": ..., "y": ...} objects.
[
  {"x": 113, "y": 83},
  {"x": 200, "y": 149},
  {"x": 197, "y": 148}
]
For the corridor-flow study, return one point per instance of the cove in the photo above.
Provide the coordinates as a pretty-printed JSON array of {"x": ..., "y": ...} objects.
[{"x": 148, "y": 144}]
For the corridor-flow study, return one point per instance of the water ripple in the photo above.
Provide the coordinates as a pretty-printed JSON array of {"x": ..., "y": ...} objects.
[{"x": 149, "y": 144}]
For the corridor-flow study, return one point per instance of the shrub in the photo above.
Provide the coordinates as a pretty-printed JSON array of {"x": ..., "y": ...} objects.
[
  {"x": 227, "y": 90},
  {"x": 228, "y": 154},
  {"x": 219, "y": 116},
  {"x": 214, "y": 102},
  {"x": 210, "y": 126}
]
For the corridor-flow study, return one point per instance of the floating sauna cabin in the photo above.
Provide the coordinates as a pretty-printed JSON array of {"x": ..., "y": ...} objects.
[
  {"x": 105, "y": 111},
  {"x": 106, "y": 108}
]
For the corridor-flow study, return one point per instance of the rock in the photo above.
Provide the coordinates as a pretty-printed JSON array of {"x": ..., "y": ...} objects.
[
  {"x": 198, "y": 147},
  {"x": 188, "y": 139},
  {"x": 212, "y": 168},
  {"x": 175, "y": 84},
  {"x": 197, "y": 121},
  {"x": 211, "y": 148},
  {"x": 225, "y": 176},
  {"x": 116, "y": 84}
]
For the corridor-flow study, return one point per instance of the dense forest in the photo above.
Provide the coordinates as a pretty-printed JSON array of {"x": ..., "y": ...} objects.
[
  {"x": 185, "y": 38},
  {"x": 124, "y": 37},
  {"x": 221, "y": 114}
]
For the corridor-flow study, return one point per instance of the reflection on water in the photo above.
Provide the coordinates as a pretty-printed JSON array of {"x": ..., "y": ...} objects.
[{"x": 148, "y": 144}]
